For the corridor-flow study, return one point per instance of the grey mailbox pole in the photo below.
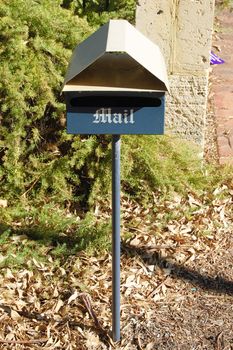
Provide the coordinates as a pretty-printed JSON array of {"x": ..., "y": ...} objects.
[
  {"x": 115, "y": 84},
  {"x": 116, "y": 238}
]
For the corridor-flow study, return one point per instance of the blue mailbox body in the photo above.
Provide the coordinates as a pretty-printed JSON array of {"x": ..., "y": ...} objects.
[{"x": 115, "y": 113}]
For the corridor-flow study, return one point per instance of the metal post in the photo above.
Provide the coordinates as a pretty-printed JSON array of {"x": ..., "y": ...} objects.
[{"x": 116, "y": 240}]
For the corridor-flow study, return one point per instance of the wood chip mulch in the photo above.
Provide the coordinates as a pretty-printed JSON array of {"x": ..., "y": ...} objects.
[{"x": 176, "y": 284}]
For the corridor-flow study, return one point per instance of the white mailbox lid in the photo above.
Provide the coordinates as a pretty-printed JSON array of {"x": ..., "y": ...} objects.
[{"x": 117, "y": 57}]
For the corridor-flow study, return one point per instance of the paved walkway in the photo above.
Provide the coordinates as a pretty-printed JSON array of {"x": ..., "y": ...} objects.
[{"x": 223, "y": 88}]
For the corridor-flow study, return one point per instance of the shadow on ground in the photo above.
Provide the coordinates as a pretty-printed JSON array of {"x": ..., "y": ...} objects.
[
  {"x": 76, "y": 243},
  {"x": 73, "y": 241},
  {"x": 218, "y": 285}
]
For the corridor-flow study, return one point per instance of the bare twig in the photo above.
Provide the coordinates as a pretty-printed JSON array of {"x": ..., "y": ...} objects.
[
  {"x": 32, "y": 341},
  {"x": 87, "y": 302},
  {"x": 39, "y": 317},
  {"x": 31, "y": 187},
  {"x": 219, "y": 342}
]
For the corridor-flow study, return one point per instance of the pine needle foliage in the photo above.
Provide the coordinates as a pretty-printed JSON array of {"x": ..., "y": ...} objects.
[
  {"x": 37, "y": 39},
  {"x": 99, "y": 12},
  {"x": 39, "y": 162},
  {"x": 225, "y": 4}
]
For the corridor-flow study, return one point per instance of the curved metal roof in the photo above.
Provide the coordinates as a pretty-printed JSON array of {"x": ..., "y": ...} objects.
[{"x": 117, "y": 57}]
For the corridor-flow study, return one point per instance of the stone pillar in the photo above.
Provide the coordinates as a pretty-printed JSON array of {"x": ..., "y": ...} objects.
[{"x": 183, "y": 31}]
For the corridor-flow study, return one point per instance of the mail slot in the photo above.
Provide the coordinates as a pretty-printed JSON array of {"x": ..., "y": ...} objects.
[{"x": 114, "y": 101}]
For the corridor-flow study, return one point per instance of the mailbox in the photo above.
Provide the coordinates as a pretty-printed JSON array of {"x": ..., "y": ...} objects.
[{"x": 116, "y": 83}]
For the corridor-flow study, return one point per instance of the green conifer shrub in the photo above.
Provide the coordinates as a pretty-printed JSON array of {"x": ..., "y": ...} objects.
[
  {"x": 37, "y": 38},
  {"x": 39, "y": 162},
  {"x": 99, "y": 12}
]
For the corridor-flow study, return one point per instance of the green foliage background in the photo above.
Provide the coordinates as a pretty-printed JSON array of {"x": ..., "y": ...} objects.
[
  {"x": 39, "y": 162},
  {"x": 57, "y": 186},
  {"x": 37, "y": 38}
]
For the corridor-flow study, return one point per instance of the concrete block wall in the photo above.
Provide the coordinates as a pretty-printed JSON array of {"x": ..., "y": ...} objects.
[{"x": 183, "y": 31}]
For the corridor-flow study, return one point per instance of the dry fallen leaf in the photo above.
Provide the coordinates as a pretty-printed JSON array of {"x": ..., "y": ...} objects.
[
  {"x": 15, "y": 316},
  {"x": 58, "y": 305},
  {"x": 92, "y": 341},
  {"x": 73, "y": 297},
  {"x": 3, "y": 203},
  {"x": 150, "y": 346}
]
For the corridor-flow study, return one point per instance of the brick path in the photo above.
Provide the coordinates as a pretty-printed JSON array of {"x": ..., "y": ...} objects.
[{"x": 223, "y": 89}]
